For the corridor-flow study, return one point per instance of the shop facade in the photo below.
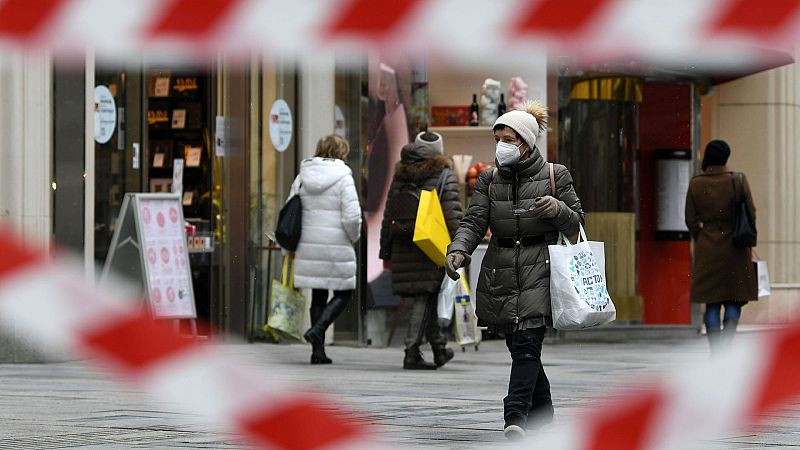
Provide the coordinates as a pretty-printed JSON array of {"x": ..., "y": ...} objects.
[
  {"x": 632, "y": 136},
  {"x": 63, "y": 186},
  {"x": 241, "y": 131}
]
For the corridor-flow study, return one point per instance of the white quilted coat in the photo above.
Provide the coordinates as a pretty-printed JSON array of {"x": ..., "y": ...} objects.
[{"x": 325, "y": 257}]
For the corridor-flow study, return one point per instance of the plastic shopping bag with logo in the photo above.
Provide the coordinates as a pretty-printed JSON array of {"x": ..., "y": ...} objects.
[
  {"x": 578, "y": 292},
  {"x": 466, "y": 329},
  {"x": 287, "y": 307}
]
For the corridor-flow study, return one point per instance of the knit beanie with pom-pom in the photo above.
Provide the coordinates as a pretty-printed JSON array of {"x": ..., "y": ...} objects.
[{"x": 529, "y": 121}]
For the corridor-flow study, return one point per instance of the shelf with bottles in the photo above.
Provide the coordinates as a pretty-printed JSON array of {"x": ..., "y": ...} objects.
[{"x": 462, "y": 131}]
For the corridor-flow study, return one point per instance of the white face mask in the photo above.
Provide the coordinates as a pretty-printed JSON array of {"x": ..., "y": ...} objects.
[{"x": 507, "y": 154}]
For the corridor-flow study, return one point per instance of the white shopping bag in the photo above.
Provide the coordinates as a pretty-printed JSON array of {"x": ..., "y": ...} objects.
[
  {"x": 762, "y": 271},
  {"x": 466, "y": 330},
  {"x": 578, "y": 292},
  {"x": 446, "y": 300},
  {"x": 462, "y": 310}
]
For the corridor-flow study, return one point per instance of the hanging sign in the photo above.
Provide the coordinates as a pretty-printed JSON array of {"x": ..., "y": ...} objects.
[
  {"x": 150, "y": 244},
  {"x": 105, "y": 114},
  {"x": 280, "y": 125}
]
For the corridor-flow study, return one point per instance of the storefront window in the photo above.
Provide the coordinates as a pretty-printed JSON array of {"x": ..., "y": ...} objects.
[
  {"x": 351, "y": 113},
  {"x": 599, "y": 139},
  {"x": 273, "y": 166},
  {"x": 117, "y": 128}
]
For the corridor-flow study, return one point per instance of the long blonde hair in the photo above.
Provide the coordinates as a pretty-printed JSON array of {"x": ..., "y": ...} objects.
[{"x": 333, "y": 146}]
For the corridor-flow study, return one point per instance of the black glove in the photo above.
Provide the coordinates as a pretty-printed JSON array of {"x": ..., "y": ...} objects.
[
  {"x": 455, "y": 261},
  {"x": 546, "y": 207}
]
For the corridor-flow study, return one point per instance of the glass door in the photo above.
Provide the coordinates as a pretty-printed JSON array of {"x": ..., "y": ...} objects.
[{"x": 117, "y": 137}]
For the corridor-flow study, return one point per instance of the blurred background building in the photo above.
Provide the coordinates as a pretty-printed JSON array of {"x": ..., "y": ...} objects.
[{"x": 631, "y": 133}]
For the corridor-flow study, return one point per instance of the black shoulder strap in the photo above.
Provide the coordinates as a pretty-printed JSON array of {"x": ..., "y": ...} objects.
[
  {"x": 442, "y": 181},
  {"x": 734, "y": 176}
]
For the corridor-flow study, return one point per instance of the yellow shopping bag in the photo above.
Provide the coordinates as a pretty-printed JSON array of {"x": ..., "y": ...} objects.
[{"x": 430, "y": 229}]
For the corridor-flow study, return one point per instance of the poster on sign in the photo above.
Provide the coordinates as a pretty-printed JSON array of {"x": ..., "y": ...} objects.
[{"x": 155, "y": 223}]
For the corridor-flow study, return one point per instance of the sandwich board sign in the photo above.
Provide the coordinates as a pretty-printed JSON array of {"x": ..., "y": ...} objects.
[{"x": 150, "y": 242}]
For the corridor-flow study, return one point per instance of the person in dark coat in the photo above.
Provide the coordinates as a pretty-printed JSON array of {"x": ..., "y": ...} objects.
[
  {"x": 722, "y": 275},
  {"x": 422, "y": 167},
  {"x": 513, "y": 292}
]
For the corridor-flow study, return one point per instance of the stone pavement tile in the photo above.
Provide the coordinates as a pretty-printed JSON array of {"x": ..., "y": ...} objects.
[{"x": 457, "y": 407}]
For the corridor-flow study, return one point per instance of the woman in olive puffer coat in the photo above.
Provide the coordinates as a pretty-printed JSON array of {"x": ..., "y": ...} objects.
[
  {"x": 414, "y": 276},
  {"x": 513, "y": 293}
]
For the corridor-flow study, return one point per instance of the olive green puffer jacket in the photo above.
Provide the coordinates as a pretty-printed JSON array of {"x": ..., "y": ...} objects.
[{"x": 514, "y": 283}]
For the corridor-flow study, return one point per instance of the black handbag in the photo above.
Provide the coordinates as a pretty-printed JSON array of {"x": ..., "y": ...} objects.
[
  {"x": 290, "y": 223},
  {"x": 744, "y": 226}
]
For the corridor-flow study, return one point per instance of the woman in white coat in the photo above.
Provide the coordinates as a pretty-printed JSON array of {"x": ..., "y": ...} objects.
[{"x": 325, "y": 259}]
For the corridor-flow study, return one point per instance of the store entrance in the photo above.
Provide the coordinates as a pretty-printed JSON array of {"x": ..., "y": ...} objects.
[
  {"x": 178, "y": 136},
  {"x": 153, "y": 126},
  {"x": 118, "y": 146}
]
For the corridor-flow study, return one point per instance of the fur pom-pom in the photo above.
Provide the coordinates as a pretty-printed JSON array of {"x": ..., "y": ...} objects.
[{"x": 537, "y": 110}]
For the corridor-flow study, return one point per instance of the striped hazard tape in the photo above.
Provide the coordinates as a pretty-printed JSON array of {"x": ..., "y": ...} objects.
[
  {"x": 55, "y": 309},
  {"x": 731, "y": 393},
  {"x": 470, "y": 30}
]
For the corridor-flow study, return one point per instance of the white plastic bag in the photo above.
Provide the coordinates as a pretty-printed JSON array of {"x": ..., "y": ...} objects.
[
  {"x": 578, "y": 292},
  {"x": 466, "y": 329},
  {"x": 445, "y": 301},
  {"x": 762, "y": 271}
]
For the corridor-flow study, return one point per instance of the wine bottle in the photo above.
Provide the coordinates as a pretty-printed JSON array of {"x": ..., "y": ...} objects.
[
  {"x": 501, "y": 107},
  {"x": 473, "y": 111}
]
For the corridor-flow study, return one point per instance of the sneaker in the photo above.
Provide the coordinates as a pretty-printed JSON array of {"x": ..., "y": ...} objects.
[{"x": 514, "y": 432}]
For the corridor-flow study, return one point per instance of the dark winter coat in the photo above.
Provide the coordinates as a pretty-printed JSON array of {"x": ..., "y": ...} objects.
[
  {"x": 413, "y": 273},
  {"x": 721, "y": 271},
  {"x": 514, "y": 283}
]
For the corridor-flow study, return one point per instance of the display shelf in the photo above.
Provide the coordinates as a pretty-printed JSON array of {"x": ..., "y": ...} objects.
[{"x": 464, "y": 131}]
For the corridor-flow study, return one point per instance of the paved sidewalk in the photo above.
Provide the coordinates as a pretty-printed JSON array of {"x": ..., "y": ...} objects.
[{"x": 66, "y": 405}]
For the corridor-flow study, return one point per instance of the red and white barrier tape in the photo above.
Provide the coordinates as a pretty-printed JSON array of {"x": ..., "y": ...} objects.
[
  {"x": 55, "y": 309},
  {"x": 462, "y": 30},
  {"x": 731, "y": 393}
]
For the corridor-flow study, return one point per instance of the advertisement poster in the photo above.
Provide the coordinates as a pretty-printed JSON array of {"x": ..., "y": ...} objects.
[
  {"x": 166, "y": 257},
  {"x": 388, "y": 132},
  {"x": 673, "y": 173}
]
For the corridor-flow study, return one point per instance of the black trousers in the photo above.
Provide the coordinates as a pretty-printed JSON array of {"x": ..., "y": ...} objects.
[
  {"x": 319, "y": 297},
  {"x": 528, "y": 386}
]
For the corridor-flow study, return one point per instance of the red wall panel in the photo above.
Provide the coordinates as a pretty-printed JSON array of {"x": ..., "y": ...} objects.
[{"x": 664, "y": 267}]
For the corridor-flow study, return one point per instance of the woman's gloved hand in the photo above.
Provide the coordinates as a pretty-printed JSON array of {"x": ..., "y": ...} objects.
[
  {"x": 455, "y": 261},
  {"x": 546, "y": 207}
]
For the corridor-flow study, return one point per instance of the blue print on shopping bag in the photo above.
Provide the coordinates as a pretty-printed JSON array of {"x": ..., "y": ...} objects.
[{"x": 588, "y": 281}]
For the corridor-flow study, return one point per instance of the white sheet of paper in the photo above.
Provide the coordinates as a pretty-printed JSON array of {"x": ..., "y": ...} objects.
[
  {"x": 158, "y": 160},
  {"x": 162, "y": 87},
  {"x": 179, "y": 119},
  {"x": 177, "y": 176},
  {"x": 187, "y": 198},
  {"x": 193, "y": 155}
]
